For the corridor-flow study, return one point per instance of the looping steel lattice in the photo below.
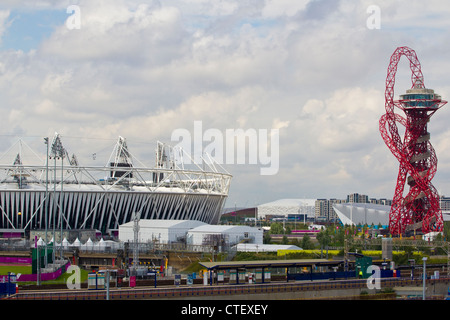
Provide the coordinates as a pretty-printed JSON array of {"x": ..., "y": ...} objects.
[{"x": 419, "y": 210}]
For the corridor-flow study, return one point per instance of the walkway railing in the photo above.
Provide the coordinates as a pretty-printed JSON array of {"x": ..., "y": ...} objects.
[{"x": 216, "y": 290}]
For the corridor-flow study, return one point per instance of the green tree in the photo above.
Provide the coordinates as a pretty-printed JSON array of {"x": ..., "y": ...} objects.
[
  {"x": 338, "y": 236},
  {"x": 447, "y": 230},
  {"x": 266, "y": 238},
  {"x": 276, "y": 228},
  {"x": 306, "y": 243},
  {"x": 324, "y": 239}
]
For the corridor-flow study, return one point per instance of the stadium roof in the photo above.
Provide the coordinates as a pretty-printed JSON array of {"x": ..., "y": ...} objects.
[
  {"x": 362, "y": 213},
  {"x": 285, "y": 207}
]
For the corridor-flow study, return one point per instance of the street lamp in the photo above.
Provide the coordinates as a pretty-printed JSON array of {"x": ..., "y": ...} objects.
[{"x": 424, "y": 259}]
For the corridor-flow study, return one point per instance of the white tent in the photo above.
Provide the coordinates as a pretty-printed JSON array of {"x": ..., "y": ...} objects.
[
  {"x": 162, "y": 231},
  {"x": 76, "y": 243},
  {"x": 109, "y": 244},
  {"x": 101, "y": 244},
  {"x": 65, "y": 243},
  {"x": 89, "y": 245},
  {"x": 41, "y": 242}
]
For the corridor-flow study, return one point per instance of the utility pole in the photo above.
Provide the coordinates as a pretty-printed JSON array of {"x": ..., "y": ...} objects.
[
  {"x": 448, "y": 259},
  {"x": 424, "y": 276},
  {"x": 136, "y": 218},
  {"x": 345, "y": 254}
]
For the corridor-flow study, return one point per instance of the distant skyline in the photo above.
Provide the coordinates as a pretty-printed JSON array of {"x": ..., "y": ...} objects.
[{"x": 314, "y": 70}]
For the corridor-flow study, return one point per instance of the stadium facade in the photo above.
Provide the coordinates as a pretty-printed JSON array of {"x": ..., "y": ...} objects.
[
  {"x": 360, "y": 214},
  {"x": 59, "y": 193}
]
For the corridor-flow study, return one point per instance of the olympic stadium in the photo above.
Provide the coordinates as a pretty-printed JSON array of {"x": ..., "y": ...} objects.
[{"x": 60, "y": 193}]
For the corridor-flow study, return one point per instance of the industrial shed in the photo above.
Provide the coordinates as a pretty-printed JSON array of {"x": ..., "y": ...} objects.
[
  {"x": 163, "y": 231},
  {"x": 223, "y": 235}
]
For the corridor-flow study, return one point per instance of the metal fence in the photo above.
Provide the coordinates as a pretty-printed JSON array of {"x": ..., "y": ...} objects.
[{"x": 114, "y": 247}]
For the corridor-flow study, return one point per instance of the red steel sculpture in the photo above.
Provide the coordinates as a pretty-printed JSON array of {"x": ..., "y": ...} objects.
[{"x": 419, "y": 210}]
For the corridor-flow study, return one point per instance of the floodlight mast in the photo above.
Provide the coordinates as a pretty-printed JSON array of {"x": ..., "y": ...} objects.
[
  {"x": 136, "y": 228},
  {"x": 419, "y": 210}
]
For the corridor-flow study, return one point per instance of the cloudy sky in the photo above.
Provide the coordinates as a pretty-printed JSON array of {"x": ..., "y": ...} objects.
[{"x": 315, "y": 70}]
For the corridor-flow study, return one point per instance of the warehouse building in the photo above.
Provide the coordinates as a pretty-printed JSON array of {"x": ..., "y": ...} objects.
[{"x": 161, "y": 231}]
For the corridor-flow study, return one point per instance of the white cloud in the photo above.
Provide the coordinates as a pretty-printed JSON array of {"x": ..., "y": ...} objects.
[
  {"x": 115, "y": 32},
  {"x": 4, "y": 22},
  {"x": 276, "y": 8}
]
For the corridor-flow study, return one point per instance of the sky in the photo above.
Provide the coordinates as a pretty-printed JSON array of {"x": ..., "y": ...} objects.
[{"x": 312, "y": 70}]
